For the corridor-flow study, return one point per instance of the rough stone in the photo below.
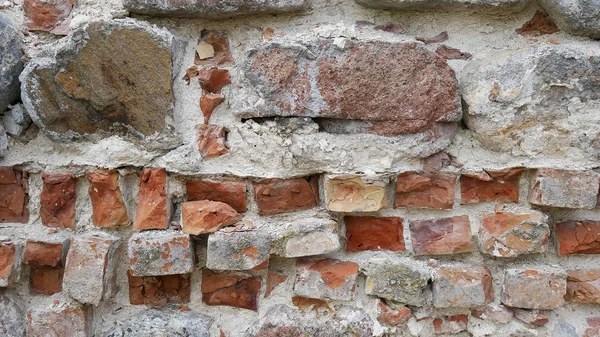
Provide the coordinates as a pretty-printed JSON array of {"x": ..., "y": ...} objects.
[
  {"x": 211, "y": 141},
  {"x": 156, "y": 253},
  {"x": 462, "y": 287},
  {"x": 233, "y": 290},
  {"x": 540, "y": 24},
  {"x": 107, "y": 200},
  {"x": 273, "y": 280},
  {"x": 205, "y": 216},
  {"x": 442, "y": 236},
  {"x": 114, "y": 77},
  {"x": 90, "y": 270},
  {"x": 538, "y": 102},
  {"x": 307, "y": 237},
  {"x": 14, "y": 195},
  {"x": 425, "y": 190},
  {"x": 490, "y": 186},
  {"x": 561, "y": 188},
  {"x": 500, "y": 6},
  {"x": 402, "y": 283},
  {"x": 583, "y": 286},
  {"x": 61, "y": 317},
  {"x": 16, "y": 121},
  {"x": 157, "y": 291},
  {"x": 328, "y": 279},
  {"x": 450, "y": 324},
  {"x": 578, "y": 237},
  {"x": 237, "y": 250},
  {"x": 285, "y": 195},
  {"x": 534, "y": 288},
  {"x": 293, "y": 80},
  {"x": 154, "y": 206},
  {"x": 355, "y": 193},
  {"x": 531, "y": 318},
  {"x": 373, "y": 233},
  {"x": 231, "y": 192},
  {"x": 49, "y": 15},
  {"x": 11, "y": 258},
  {"x": 577, "y": 17},
  {"x": 510, "y": 235},
  {"x": 11, "y": 64},
  {"x": 57, "y": 202},
  {"x": 12, "y": 315},
  {"x": 164, "y": 323},
  {"x": 392, "y": 316},
  {"x": 208, "y": 103}
]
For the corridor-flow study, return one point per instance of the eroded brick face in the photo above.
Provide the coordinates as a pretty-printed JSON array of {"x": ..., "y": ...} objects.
[
  {"x": 157, "y": 291},
  {"x": 583, "y": 286},
  {"x": 57, "y": 202},
  {"x": 355, "y": 194},
  {"x": 285, "y": 195},
  {"x": 490, "y": 186},
  {"x": 441, "y": 236},
  {"x": 230, "y": 289},
  {"x": 155, "y": 253},
  {"x": 153, "y": 210},
  {"x": 578, "y": 237},
  {"x": 10, "y": 262},
  {"x": 107, "y": 199},
  {"x": 509, "y": 235},
  {"x": 46, "y": 261},
  {"x": 562, "y": 188},
  {"x": 62, "y": 318},
  {"x": 211, "y": 141},
  {"x": 534, "y": 289},
  {"x": 462, "y": 287},
  {"x": 13, "y": 195},
  {"x": 425, "y": 190},
  {"x": 204, "y": 216},
  {"x": 373, "y": 233},
  {"x": 326, "y": 279},
  {"x": 52, "y": 16},
  {"x": 392, "y": 316}
]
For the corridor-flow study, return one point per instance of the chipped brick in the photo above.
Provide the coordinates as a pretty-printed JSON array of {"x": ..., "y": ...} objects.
[
  {"x": 441, "y": 236},
  {"x": 237, "y": 250},
  {"x": 511, "y": 235},
  {"x": 462, "y": 287},
  {"x": 373, "y": 233},
  {"x": 490, "y": 186},
  {"x": 231, "y": 192},
  {"x": 205, "y": 216},
  {"x": 534, "y": 289},
  {"x": 562, "y": 188},
  {"x": 154, "y": 207},
  {"x": 578, "y": 237},
  {"x": 57, "y": 201},
  {"x": 425, "y": 190},
  {"x": 326, "y": 279},
  {"x": 583, "y": 286},
  {"x": 14, "y": 195},
  {"x": 285, "y": 195},
  {"x": 233, "y": 290},
  {"x": 107, "y": 200},
  {"x": 158, "y": 253},
  {"x": 355, "y": 193}
]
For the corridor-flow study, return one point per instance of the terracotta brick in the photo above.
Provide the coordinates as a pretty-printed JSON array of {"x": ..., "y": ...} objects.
[
  {"x": 57, "y": 207},
  {"x": 154, "y": 207},
  {"x": 237, "y": 250},
  {"x": 462, "y": 287},
  {"x": 425, "y": 190},
  {"x": 11, "y": 259},
  {"x": 583, "y": 286},
  {"x": 211, "y": 141},
  {"x": 578, "y": 237},
  {"x": 490, "y": 186},
  {"x": 49, "y": 15},
  {"x": 212, "y": 80},
  {"x": 273, "y": 280},
  {"x": 157, "y": 253},
  {"x": 373, "y": 233},
  {"x": 205, "y": 216},
  {"x": 157, "y": 291},
  {"x": 107, "y": 200},
  {"x": 306, "y": 303},
  {"x": 326, "y": 279},
  {"x": 233, "y": 290},
  {"x": 14, "y": 195},
  {"x": 562, "y": 188},
  {"x": 208, "y": 103},
  {"x": 232, "y": 192},
  {"x": 285, "y": 195},
  {"x": 220, "y": 44},
  {"x": 534, "y": 288},
  {"x": 511, "y": 235},
  {"x": 45, "y": 253},
  {"x": 441, "y": 236},
  {"x": 355, "y": 193},
  {"x": 392, "y": 316},
  {"x": 450, "y": 324},
  {"x": 59, "y": 317},
  {"x": 46, "y": 280}
]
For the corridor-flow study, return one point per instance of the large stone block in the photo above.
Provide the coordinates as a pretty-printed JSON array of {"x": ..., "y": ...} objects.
[
  {"x": 10, "y": 61},
  {"x": 496, "y": 6},
  {"x": 113, "y": 77},
  {"x": 577, "y": 17}
]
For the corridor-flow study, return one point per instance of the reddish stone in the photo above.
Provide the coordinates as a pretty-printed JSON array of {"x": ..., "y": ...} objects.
[
  {"x": 531, "y": 318},
  {"x": 285, "y": 195},
  {"x": 46, "y": 280},
  {"x": 220, "y": 44},
  {"x": 211, "y": 141},
  {"x": 49, "y": 15},
  {"x": 107, "y": 201},
  {"x": 591, "y": 321},
  {"x": 583, "y": 286},
  {"x": 373, "y": 233},
  {"x": 393, "y": 317},
  {"x": 450, "y": 324},
  {"x": 441, "y": 236},
  {"x": 534, "y": 289},
  {"x": 326, "y": 279},
  {"x": 540, "y": 24},
  {"x": 391, "y": 27},
  {"x": 273, "y": 280},
  {"x": 39, "y": 253},
  {"x": 450, "y": 53},
  {"x": 230, "y": 289},
  {"x": 13, "y": 195},
  {"x": 232, "y": 193},
  {"x": 157, "y": 291},
  {"x": 490, "y": 186},
  {"x": 455, "y": 287},
  {"x": 578, "y": 237},
  {"x": 205, "y": 216},
  {"x": 57, "y": 202},
  {"x": 562, "y": 188},
  {"x": 153, "y": 206},
  {"x": 439, "y": 161},
  {"x": 511, "y": 235},
  {"x": 212, "y": 80},
  {"x": 425, "y": 190},
  {"x": 208, "y": 103}
]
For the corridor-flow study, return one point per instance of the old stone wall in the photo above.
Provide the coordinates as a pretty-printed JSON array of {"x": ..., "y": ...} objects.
[{"x": 299, "y": 168}]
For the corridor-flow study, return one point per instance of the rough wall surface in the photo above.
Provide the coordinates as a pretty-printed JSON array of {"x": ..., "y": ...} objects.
[{"x": 300, "y": 168}]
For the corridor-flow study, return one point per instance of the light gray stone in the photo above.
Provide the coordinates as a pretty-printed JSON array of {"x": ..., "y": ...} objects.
[
  {"x": 237, "y": 250},
  {"x": 10, "y": 61},
  {"x": 154, "y": 253},
  {"x": 12, "y": 315},
  {"x": 401, "y": 282},
  {"x": 307, "y": 237},
  {"x": 444, "y": 5},
  {"x": 16, "y": 120},
  {"x": 164, "y": 323},
  {"x": 577, "y": 17}
]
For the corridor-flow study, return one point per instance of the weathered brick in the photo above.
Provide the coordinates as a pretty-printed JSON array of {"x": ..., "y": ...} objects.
[
  {"x": 11, "y": 259},
  {"x": 57, "y": 201},
  {"x": 540, "y": 24},
  {"x": 220, "y": 44},
  {"x": 490, "y": 186},
  {"x": 592, "y": 332},
  {"x": 373, "y": 233},
  {"x": 154, "y": 206},
  {"x": 531, "y": 318},
  {"x": 231, "y": 192},
  {"x": 425, "y": 190},
  {"x": 208, "y": 103},
  {"x": 307, "y": 237},
  {"x": 49, "y": 15},
  {"x": 273, "y": 280},
  {"x": 510, "y": 235},
  {"x": 107, "y": 200},
  {"x": 355, "y": 193},
  {"x": 237, "y": 250},
  {"x": 462, "y": 287},
  {"x": 213, "y": 80},
  {"x": 233, "y": 290},
  {"x": 285, "y": 195},
  {"x": 205, "y": 216},
  {"x": 562, "y": 188},
  {"x": 583, "y": 286},
  {"x": 14, "y": 195},
  {"x": 326, "y": 278},
  {"x": 450, "y": 324},
  {"x": 157, "y": 253},
  {"x": 46, "y": 259},
  {"x": 157, "y": 291},
  {"x": 441, "y": 236},
  {"x": 534, "y": 288},
  {"x": 404, "y": 283},
  {"x": 46, "y": 280},
  {"x": 393, "y": 315},
  {"x": 61, "y": 317},
  {"x": 578, "y": 237},
  {"x": 211, "y": 141},
  {"x": 496, "y": 313},
  {"x": 90, "y": 270}
]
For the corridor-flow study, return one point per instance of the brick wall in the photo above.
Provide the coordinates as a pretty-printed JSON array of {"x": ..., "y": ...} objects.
[{"x": 299, "y": 168}]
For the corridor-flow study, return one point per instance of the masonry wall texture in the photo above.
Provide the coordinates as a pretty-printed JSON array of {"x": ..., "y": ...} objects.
[{"x": 299, "y": 168}]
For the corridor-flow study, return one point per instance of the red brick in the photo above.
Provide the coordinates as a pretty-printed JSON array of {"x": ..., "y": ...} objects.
[
  {"x": 450, "y": 324},
  {"x": 107, "y": 200},
  {"x": 273, "y": 280},
  {"x": 562, "y": 188},
  {"x": 153, "y": 210},
  {"x": 230, "y": 289},
  {"x": 469, "y": 286},
  {"x": 441, "y": 236},
  {"x": 57, "y": 207},
  {"x": 393, "y": 317},
  {"x": 212, "y": 80},
  {"x": 592, "y": 332},
  {"x": 157, "y": 291},
  {"x": 220, "y": 44},
  {"x": 326, "y": 279},
  {"x": 583, "y": 286},
  {"x": 11, "y": 257},
  {"x": 46, "y": 280},
  {"x": 578, "y": 237},
  {"x": 48, "y": 15},
  {"x": 208, "y": 103},
  {"x": 211, "y": 141},
  {"x": 490, "y": 186},
  {"x": 38, "y": 253},
  {"x": 205, "y": 216},
  {"x": 511, "y": 235},
  {"x": 373, "y": 233},
  {"x": 285, "y": 195},
  {"x": 534, "y": 289},
  {"x": 425, "y": 190},
  {"x": 13, "y": 195},
  {"x": 232, "y": 192}
]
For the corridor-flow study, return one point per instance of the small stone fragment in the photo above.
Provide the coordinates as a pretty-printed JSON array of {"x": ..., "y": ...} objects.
[
  {"x": 562, "y": 188},
  {"x": 212, "y": 80},
  {"x": 535, "y": 289},
  {"x": 317, "y": 305},
  {"x": 442, "y": 236},
  {"x": 157, "y": 253},
  {"x": 154, "y": 207},
  {"x": 450, "y": 324},
  {"x": 490, "y": 186},
  {"x": 306, "y": 237},
  {"x": 462, "y": 287},
  {"x": 11, "y": 258},
  {"x": 328, "y": 279},
  {"x": 391, "y": 27},
  {"x": 373, "y": 233},
  {"x": 208, "y": 103},
  {"x": 237, "y": 250},
  {"x": 157, "y": 291},
  {"x": 220, "y": 44},
  {"x": 107, "y": 200},
  {"x": 285, "y": 195},
  {"x": 211, "y": 141},
  {"x": 204, "y": 51},
  {"x": 402, "y": 283},
  {"x": 60, "y": 317},
  {"x": 450, "y": 53},
  {"x": 540, "y": 24},
  {"x": 583, "y": 286},
  {"x": 233, "y": 290},
  {"x": 273, "y": 280},
  {"x": 531, "y": 318},
  {"x": 14, "y": 195},
  {"x": 392, "y": 316},
  {"x": 578, "y": 237},
  {"x": 441, "y": 37},
  {"x": 57, "y": 201},
  {"x": 49, "y": 15},
  {"x": 231, "y": 192},
  {"x": 16, "y": 121},
  {"x": 425, "y": 190},
  {"x": 510, "y": 235},
  {"x": 205, "y": 216},
  {"x": 355, "y": 193}
]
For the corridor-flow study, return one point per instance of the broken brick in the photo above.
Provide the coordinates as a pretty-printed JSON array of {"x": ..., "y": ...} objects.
[
  {"x": 326, "y": 279},
  {"x": 107, "y": 201},
  {"x": 490, "y": 186},
  {"x": 578, "y": 237},
  {"x": 13, "y": 195},
  {"x": 237, "y": 250},
  {"x": 154, "y": 207},
  {"x": 535, "y": 288},
  {"x": 157, "y": 291},
  {"x": 457, "y": 287},
  {"x": 392, "y": 316},
  {"x": 208, "y": 103},
  {"x": 211, "y": 141},
  {"x": 155, "y": 253},
  {"x": 205, "y": 216},
  {"x": 273, "y": 280},
  {"x": 285, "y": 195},
  {"x": 233, "y": 290},
  {"x": 562, "y": 188},
  {"x": 373, "y": 233},
  {"x": 583, "y": 286},
  {"x": 425, "y": 190},
  {"x": 540, "y": 24},
  {"x": 212, "y": 80},
  {"x": 441, "y": 236},
  {"x": 355, "y": 193},
  {"x": 232, "y": 193},
  {"x": 510, "y": 235},
  {"x": 57, "y": 201}
]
